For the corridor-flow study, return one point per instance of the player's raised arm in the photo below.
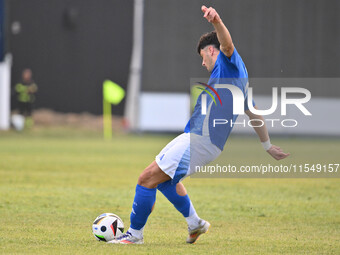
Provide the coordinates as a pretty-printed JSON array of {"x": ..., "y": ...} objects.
[
  {"x": 261, "y": 130},
  {"x": 223, "y": 35}
]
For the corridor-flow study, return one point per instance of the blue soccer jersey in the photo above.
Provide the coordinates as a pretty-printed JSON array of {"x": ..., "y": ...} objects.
[{"x": 226, "y": 71}]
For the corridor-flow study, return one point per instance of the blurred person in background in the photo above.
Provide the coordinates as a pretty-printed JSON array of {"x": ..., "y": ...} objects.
[{"x": 25, "y": 91}]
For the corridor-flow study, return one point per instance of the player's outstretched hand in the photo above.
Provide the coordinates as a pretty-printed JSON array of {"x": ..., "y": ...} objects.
[
  {"x": 210, "y": 14},
  {"x": 277, "y": 153}
]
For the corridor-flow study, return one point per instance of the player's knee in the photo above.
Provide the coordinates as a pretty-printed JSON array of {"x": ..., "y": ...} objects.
[
  {"x": 152, "y": 176},
  {"x": 145, "y": 179},
  {"x": 142, "y": 179}
]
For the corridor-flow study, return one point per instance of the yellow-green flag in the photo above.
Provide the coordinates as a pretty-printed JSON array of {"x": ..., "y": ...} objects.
[{"x": 112, "y": 94}]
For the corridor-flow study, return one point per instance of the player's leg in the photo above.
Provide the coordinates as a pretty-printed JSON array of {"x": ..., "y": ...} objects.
[
  {"x": 177, "y": 195},
  {"x": 152, "y": 176},
  {"x": 29, "y": 119},
  {"x": 145, "y": 197},
  {"x": 192, "y": 219},
  {"x": 21, "y": 108},
  {"x": 172, "y": 162},
  {"x": 143, "y": 203}
]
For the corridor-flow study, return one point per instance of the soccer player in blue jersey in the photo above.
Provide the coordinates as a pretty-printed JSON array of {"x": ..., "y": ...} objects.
[{"x": 201, "y": 143}]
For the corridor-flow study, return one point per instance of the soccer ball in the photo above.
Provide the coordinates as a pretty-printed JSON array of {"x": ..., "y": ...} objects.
[{"x": 107, "y": 227}]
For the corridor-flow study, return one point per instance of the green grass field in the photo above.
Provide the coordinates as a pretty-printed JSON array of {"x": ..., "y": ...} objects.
[{"x": 53, "y": 184}]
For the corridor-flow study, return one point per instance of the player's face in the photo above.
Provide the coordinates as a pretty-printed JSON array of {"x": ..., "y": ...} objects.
[{"x": 208, "y": 59}]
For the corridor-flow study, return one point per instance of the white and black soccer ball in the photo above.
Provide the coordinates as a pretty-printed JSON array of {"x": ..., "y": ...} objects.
[{"x": 107, "y": 227}]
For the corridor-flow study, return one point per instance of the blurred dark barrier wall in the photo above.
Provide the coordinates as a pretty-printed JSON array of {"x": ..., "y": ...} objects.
[
  {"x": 2, "y": 34},
  {"x": 71, "y": 46},
  {"x": 281, "y": 38}
]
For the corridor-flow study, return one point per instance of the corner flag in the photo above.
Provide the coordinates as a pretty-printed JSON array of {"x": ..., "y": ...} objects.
[{"x": 112, "y": 94}]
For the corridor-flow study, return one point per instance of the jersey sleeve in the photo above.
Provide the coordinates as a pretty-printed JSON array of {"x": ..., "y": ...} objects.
[{"x": 235, "y": 60}]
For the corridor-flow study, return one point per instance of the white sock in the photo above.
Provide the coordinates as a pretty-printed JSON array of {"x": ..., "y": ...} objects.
[
  {"x": 193, "y": 219},
  {"x": 136, "y": 233}
]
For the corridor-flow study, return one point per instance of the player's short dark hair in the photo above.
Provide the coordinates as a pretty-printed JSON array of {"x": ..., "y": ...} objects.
[{"x": 208, "y": 39}]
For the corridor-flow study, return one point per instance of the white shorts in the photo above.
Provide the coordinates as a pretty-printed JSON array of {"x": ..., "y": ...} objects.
[{"x": 179, "y": 158}]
